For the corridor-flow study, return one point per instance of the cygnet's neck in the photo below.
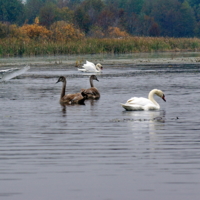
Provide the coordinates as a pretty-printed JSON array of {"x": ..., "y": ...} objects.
[
  {"x": 91, "y": 82},
  {"x": 63, "y": 89}
]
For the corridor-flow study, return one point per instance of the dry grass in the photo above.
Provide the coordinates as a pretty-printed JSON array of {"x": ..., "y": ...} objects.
[{"x": 20, "y": 47}]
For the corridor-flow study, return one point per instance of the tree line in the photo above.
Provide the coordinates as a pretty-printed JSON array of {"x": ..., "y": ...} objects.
[{"x": 106, "y": 18}]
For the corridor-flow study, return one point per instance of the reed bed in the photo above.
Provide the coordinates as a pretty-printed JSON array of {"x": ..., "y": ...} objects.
[{"x": 20, "y": 47}]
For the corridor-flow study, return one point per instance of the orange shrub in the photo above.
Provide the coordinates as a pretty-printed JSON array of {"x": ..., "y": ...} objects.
[
  {"x": 16, "y": 32},
  {"x": 12, "y": 31},
  {"x": 35, "y": 31},
  {"x": 62, "y": 31},
  {"x": 115, "y": 32}
]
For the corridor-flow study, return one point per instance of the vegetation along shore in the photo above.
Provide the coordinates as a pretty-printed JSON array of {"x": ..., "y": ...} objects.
[
  {"x": 58, "y": 27},
  {"x": 19, "y": 47}
]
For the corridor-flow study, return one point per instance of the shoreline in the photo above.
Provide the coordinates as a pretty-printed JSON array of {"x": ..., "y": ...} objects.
[{"x": 142, "y": 59}]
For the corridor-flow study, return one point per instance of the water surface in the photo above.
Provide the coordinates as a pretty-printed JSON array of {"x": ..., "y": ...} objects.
[{"x": 100, "y": 151}]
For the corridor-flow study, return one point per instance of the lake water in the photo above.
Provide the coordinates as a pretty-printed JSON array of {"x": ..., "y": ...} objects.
[{"x": 100, "y": 151}]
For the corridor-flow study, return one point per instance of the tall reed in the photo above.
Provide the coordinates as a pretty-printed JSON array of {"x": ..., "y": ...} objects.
[{"x": 20, "y": 47}]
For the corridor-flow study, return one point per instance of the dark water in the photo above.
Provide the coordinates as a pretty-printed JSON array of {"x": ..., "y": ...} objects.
[{"x": 99, "y": 151}]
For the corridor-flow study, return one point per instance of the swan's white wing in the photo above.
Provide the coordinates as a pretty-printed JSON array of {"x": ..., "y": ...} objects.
[
  {"x": 132, "y": 107},
  {"x": 90, "y": 67},
  {"x": 89, "y": 63},
  {"x": 87, "y": 68},
  {"x": 139, "y": 101},
  {"x": 8, "y": 74}
]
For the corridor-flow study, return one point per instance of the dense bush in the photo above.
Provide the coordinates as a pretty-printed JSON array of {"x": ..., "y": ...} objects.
[{"x": 168, "y": 18}]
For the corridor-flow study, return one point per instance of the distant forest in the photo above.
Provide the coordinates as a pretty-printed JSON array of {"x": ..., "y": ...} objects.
[{"x": 94, "y": 18}]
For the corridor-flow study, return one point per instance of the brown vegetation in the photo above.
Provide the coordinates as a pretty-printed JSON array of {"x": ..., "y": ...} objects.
[{"x": 65, "y": 38}]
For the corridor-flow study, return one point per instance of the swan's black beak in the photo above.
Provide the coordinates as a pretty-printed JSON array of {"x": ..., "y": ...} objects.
[
  {"x": 97, "y": 79},
  {"x": 58, "y": 81},
  {"x": 163, "y": 97}
]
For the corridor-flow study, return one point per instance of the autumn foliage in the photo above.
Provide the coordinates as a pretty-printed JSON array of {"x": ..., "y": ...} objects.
[
  {"x": 115, "y": 32},
  {"x": 59, "y": 31},
  {"x": 62, "y": 31},
  {"x": 97, "y": 26},
  {"x": 35, "y": 31}
]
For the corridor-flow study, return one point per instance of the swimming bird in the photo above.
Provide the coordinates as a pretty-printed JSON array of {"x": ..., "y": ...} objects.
[
  {"x": 91, "y": 67},
  {"x": 70, "y": 99},
  {"x": 92, "y": 93},
  {"x": 8, "y": 74},
  {"x": 141, "y": 103}
]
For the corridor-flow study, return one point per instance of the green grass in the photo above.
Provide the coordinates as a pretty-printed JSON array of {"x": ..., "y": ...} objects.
[{"x": 15, "y": 47}]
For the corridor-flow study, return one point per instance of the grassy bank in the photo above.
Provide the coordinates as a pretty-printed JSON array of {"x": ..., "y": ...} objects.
[{"x": 14, "y": 47}]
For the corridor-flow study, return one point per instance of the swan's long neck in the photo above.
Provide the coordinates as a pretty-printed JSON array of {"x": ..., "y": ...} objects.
[
  {"x": 63, "y": 89},
  {"x": 97, "y": 68},
  {"x": 91, "y": 82},
  {"x": 151, "y": 97}
]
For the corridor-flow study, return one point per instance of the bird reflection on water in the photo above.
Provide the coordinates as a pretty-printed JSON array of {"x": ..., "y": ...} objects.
[{"x": 153, "y": 120}]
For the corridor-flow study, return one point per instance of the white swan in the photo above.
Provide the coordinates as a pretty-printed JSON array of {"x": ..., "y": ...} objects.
[
  {"x": 141, "y": 103},
  {"x": 8, "y": 74},
  {"x": 91, "y": 67}
]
